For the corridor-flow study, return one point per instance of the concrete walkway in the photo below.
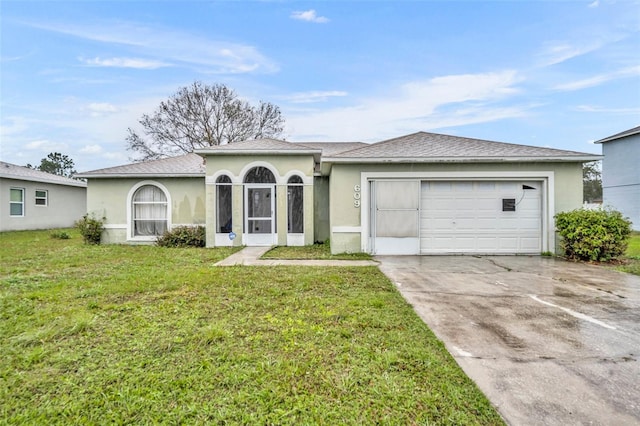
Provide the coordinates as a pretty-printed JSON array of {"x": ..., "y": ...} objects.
[{"x": 250, "y": 256}]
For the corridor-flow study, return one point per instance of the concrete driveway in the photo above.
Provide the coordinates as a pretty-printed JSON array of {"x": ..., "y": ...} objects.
[{"x": 549, "y": 342}]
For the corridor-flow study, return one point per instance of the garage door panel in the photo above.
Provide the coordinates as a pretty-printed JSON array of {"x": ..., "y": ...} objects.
[{"x": 468, "y": 217}]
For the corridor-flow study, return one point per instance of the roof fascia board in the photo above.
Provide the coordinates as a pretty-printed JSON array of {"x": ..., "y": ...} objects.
[
  {"x": 204, "y": 152},
  {"x": 50, "y": 182},
  {"x": 613, "y": 138},
  {"x": 576, "y": 159},
  {"x": 140, "y": 175}
]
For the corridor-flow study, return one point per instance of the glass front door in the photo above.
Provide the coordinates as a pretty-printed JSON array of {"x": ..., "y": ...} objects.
[{"x": 259, "y": 215}]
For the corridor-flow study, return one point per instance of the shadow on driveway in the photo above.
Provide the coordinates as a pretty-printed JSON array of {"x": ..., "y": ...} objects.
[{"x": 549, "y": 342}]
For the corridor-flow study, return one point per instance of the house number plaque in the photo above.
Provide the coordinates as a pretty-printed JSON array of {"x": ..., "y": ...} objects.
[{"x": 356, "y": 196}]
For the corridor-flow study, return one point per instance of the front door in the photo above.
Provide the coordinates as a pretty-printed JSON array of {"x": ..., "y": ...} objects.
[{"x": 259, "y": 222}]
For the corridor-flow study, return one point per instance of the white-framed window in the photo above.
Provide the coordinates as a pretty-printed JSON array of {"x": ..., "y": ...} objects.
[
  {"x": 295, "y": 205},
  {"x": 224, "y": 205},
  {"x": 149, "y": 207},
  {"x": 42, "y": 197},
  {"x": 16, "y": 202}
]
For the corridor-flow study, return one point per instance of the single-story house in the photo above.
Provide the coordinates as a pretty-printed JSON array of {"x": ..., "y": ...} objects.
[
  {"x": 32, "y": 199},
  {"x": 423, "y": 193},
  {"x": 621, "y": 173}
]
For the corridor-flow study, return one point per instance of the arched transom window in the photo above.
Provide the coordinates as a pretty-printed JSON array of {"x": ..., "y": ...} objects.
[
  {"x": 259, "y": 175},
  {"x": 149, "y": 211}
]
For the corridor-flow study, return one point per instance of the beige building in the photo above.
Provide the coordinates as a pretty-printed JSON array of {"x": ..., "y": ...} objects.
[
  {"x": 32, "y": 199},
  {"x": 423, "y": 193}
]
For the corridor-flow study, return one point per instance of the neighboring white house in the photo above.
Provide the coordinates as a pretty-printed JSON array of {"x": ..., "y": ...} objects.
[
  {"x": 621, "y": 173},
  {"x": 31, "y": 199},
  {"x": 423, "y": 193}
]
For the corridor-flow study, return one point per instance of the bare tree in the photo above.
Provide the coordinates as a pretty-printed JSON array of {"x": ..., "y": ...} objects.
[{"x": 199, "y": 116}]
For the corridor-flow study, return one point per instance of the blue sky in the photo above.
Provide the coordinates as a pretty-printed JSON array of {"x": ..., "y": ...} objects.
[{"x": 76, "y": 75}]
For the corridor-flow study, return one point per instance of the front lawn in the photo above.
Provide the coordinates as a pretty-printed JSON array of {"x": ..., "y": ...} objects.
[
  {"x": 632, "y": 255},
  {"x": 123, "y": 334},
  {"x": 318, "y": 251}
]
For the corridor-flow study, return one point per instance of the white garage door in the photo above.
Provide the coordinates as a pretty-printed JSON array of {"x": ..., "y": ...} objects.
[{"x": 480, "y": 217}]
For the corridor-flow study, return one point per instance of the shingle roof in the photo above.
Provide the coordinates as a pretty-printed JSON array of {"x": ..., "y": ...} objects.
[
  {"x": 620, "y": 135},
  {"x": 333, "y": 148},
  {"x": 12, "y": 171},
  {"x": 256, "y": 146},
  {"x": 423, "y": 146},
  {"x": 182, "y": 165}
]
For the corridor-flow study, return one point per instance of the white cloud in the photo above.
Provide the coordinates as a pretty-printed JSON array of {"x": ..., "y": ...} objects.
[
  {"x": 125, "y": 63},
  {"x": 91, "y": 149},
  {"x": 599, "y": 79},
  {"x": 603, "y": 110},
  {"x": 595, "y": 4},
  {"x": 314, "y": 96},
  {"x": 98, "y": 109},
  {"x": 556, "y": 53},
  {"x": 167, "y": 46},
  {"x": 309, "y": 16},
  {"x": 45, "y": 145},
  {"x": 417, "y": 105}
]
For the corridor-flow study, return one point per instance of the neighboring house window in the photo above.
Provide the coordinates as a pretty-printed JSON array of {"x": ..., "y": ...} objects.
[
  {"x": 42, "y": 197},
  {"x": 295, "y": 205},
  {"x": 16, "y": 202},
  {"x": 224, "y": 207},
  {"x": 149, "y": 211}
]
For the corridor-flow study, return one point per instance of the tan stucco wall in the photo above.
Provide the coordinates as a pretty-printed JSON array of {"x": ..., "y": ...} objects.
[
  {"x": 66, "y": 204},
  {"x": 567, "y": 190},
  {"x": 283, "y": 166},
  {"x": 108, "y": 198}
]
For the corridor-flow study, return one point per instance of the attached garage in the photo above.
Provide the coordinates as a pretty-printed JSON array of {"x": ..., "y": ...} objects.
[
  {"x": 492, "y": 217},
  {"x": 456, "y": 216},
  {"x": 434, "y": 194}
]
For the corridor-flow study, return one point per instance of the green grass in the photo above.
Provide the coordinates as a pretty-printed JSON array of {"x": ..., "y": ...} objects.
[
  {"x": 632, "y": 255},
  {"x": 318, "y": 251},
  {"x": 124, "y": 334}
]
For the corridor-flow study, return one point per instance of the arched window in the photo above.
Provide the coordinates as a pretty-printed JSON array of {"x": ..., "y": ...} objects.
[
  {"x": 295, "y": 205},
  {"x": 259, "y": 175},
  {"x": 149, "y": 211},
  {"x": 224, "y": 207}
]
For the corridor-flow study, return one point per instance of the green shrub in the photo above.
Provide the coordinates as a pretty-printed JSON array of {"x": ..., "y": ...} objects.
[
  {"x": 595, "y": 235},
  {"x": 59, "y": 235},
  {"x": 183, "y": 236},
  {"x": 91, "y": 228}
]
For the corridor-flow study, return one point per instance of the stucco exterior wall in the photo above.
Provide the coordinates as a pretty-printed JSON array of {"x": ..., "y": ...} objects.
[
  {"x": 236, "y": 167},
  {"x": 65, "y": 205},
  {"x": 621, "y": 177},
  {"x": 321, "y": 209},
  {"x": 108, "y": 198},
  {"x": 345, "y": 179}
]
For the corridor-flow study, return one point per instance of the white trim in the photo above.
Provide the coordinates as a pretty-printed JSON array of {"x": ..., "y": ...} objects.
[
  {"x": 546, "y": 178},
  {"x": 211, "y": 180},
  {"x": 306, "y": 180},
  {"x": 295, "y": 239},
  {"x": 115, "y": 226},
  {"x": 36, "y": 198},
  {"x": 347, "y": 229},
  {"x": 23, "y": 203},
  {"x": 254, "y": 239},
  {"x": 222, "y": 240},
  {"x": 132, "y": 191}
]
